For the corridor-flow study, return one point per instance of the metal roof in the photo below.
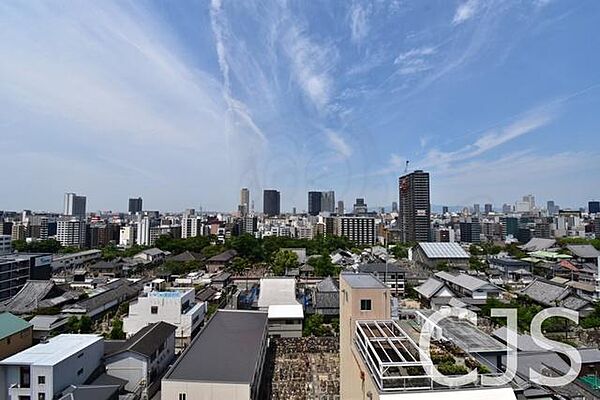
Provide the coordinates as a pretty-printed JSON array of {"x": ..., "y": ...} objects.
[
  {"x": 227, "y": 350},
  {"x": 10, "y": 324},
  {"x": 429, "y": 288},
  {"x": 54, "y": 351},
  {"x": 537, "y": 244},
  {"x": 277, "y": 291},
  {"x": 146, "y": 341},
  {"x": 463, "y": 280},
  {"x": 291, "y": 311},
  {"x": 443, "y": 250},
  {"x": 362, "y": 281}
]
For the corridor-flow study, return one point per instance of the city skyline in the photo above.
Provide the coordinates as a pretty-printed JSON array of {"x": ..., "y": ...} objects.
[{"x": 339, "y": 96}]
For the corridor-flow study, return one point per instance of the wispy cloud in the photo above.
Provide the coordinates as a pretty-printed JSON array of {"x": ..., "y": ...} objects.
[
  {"x": 414, "y": 60},
  {"x": 465, "y": 11},
  {"x": 359, "y": 22},
  {"x": 338, "y": 144}
]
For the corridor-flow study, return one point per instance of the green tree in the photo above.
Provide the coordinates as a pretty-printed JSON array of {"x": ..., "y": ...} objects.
[
  {"x": 284, "y": 260},
  {"x": 85, "y": 324},
  {"x": 313, "y": 326},
  {"x": 323, "y": 265},
  {"x": 116, "y": 333}
]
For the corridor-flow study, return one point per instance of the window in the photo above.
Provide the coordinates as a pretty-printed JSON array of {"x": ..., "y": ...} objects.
[
  {"x": 154, "y": 310},
  {"x": 24, "y": 377},
  {"x": 365, "y": 305},
  {"x": 41, "y": 380},
  {"x": 182, "y": 396},
  {"x": 41, "y": 396}
]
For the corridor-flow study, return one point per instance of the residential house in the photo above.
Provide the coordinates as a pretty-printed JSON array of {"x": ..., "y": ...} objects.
[
  {"x": 16, "y": 334},
  {"x": 277, "y": 296},
  {"x": 326, "y": 298},
  {"x": 220, "y": 261}
]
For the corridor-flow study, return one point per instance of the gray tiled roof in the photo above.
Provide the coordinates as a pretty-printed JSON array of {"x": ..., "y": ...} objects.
[
  {"x": 545, "y": 293},
  {"x": 537, "y": 244},
  {"x": 146, "y": 341},
  {"x": 583, "y": 250},
  {"x": 327, "y": 285},
  {"x": 430, "y": 287}
]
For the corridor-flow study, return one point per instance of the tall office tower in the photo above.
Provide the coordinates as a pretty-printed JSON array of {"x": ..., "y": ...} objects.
[
  {"x": 340, "y": 208},
  {"x": 594, "y": 207},
  {"x": 71, "y": 232},
  {"x": 476, "y": 209},
  {"x": 360, "y": 207},
  {"x": 530, "y": 199},
  {"x": 445, "y": 210},
  {"x": 74, "y": 205},
  {"x": 415, "y": 207},
  {"x": 135, "y": 205},
  {"x": 507, "y": 208},
  {"x": 314, "y": 203},
  {"x": 470, "y": 231},
  {"x": 551, "y": 208},
  {"x": 244, "y": 207},
  {"x": 394, "y": 206},
  {"x": 488, "y": 208},
  {"x": 328, "y": 201},
  {"x": 271, "y": 202}
]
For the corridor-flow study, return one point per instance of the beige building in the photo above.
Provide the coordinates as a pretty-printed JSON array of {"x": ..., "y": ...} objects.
[
  {"x": 379, "y": 360},
  {"x": 16, "y": 335}
]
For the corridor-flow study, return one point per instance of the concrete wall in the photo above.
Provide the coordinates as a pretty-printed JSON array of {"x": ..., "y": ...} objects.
[
  {"x": 279, "y": 328},
  {"x": 128, "y": 366},
  {"x": 16, "y": 343},
  {"x": 170, "y": 390}
]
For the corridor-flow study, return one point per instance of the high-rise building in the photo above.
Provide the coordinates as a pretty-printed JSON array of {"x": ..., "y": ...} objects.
[
  {"x": 328, "y": 201},
  {"x": 488, "y": 208},
  {"x": 135, "y": 205},
  {"x": 415, "y": 207},
  {"x": 476, "y": 209},
  {"x": 340, "y": 208},
  {"x": 507, "y": 208},
  {"x": 71, "y": 232},
  {"x": 394, "y": 206},
  {"x": 143, "y": 231},
  {"x": 314, "y": 203},
  {"x": 74, "y": 205},
  {"x": 445, "y": 210},
  {"x": 244, "y": 207},
  {"x": 271, "y": 202},
  {"x": 594, "y": 207},
  {"x": 470, "y": 231},
  {"x": 191, "y": 226},
  {"x": 360, "y": 207}
]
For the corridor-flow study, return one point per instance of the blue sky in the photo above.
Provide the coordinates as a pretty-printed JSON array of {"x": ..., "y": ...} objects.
[{"x": 186, "y": 102}]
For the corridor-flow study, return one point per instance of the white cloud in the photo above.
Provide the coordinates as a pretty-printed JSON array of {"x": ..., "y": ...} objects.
[
  {"x": 338, "y": 144},
  {"x": 414, "y": 60},
  {"x": 310, "y": 64},
  {"x": 359, "y": 24},
  {"x": 465, "y": 11}
]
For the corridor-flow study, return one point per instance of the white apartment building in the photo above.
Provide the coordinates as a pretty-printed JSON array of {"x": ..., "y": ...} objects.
[
  {"x": 143, "y": 232},
  {"x": 191, "y": 226},
  {"x": 176, "y": 307},
  {"x": 70, "y": 232},
  {"x": 127, "y": 236},
  {"x": 45, "y": 370}
]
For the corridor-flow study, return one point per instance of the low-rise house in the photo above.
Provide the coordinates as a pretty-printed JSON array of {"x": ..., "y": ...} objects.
[
  {"x": 433, "y": 289},
  {"x": 46, "y": 369},
  {"x": 220, "y": 261},
  {"x": 221, "y": 281},
  {"x": 45, "y": 326},
  {"x": 186, "y": 256},
  {"x": 469, "y": 286},
  {"x": 277, "y": 296},
  {"x": 176, "y": 307},
  {"x": 142, "y": 359},
  {"x": 326, "y": 298},
  {"x": 225, "y": 361},
  {"x": 511, "y": 268},
  {"x": 550, "y": 294},
  {"x": 153, "y": 255},
  {"x": 433, "y": 255},
  {"x": 16, "y": 335}
]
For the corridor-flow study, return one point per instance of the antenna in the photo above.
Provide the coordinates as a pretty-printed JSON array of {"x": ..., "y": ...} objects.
[{"x": 406, "y": 166}]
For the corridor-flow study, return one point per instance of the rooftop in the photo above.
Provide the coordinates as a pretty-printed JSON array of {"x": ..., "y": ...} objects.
[
  {"x": 290, "y": 311},
  {"x": 463, "y": 280},
  {"x": 145, "y": 342},
  {"x": 277, "y": 291},
  {"x": 583, "y": 250},
  {"x": 468, "y": 337},
  {"x": 10, "y": 324},
  {"x": 362, "y": 281},
  {"x": 227, "y": 350},
  {"x": 54, "y": 351},
  {"x": 443, "y": 250}
]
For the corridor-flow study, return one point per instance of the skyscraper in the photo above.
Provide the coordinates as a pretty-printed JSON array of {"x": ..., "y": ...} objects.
[
  {"x": 488, "y": 208},
  {"x": 415, "y": 207},
  {"x": 360, "y": 207},
  {"x": 135, "y": 205},
  {"x": 476, "y": 209},
  {"x": 594, "y": 207},
  {"x": 314, "y": 203},
  {"x": 328, "y": 201},
  {"x": 74, "y": 205},
  {"x": 271, "y": 202},
  {"x": 394, "y": 206},
  {"x": 340, "y": 208},
  {"x": 244, "y": 206}
]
